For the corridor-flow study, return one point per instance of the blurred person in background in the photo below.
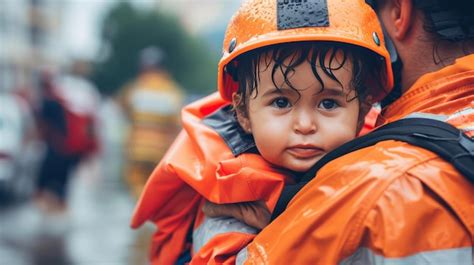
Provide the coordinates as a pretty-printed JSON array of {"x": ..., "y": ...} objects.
[
  {"x": 67, "y": 122},
  {"x": 152, "y": 103}
]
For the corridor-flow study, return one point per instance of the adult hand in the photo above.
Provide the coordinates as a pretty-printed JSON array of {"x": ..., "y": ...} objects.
[{"x": 255, "y": 214}]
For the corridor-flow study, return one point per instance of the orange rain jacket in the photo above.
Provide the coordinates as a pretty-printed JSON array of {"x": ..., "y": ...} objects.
[
  {"x": 391, "y": 203},
  {"x": 200, "y": 164}
]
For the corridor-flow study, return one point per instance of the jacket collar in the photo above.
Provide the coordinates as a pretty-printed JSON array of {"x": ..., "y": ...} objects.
[
  {"x": 438, "y": 92},
  {"x": 225, "y": 123}
]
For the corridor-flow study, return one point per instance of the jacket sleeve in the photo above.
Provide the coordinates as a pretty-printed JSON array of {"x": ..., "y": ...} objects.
[{"x": 219, "y": 240}]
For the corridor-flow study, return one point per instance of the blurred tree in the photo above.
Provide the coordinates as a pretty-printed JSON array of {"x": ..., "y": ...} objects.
[{"x": 126, "y": 31}]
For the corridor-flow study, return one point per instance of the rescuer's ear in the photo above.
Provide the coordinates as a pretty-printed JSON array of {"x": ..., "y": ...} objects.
[{"x": 398, "y": 17}]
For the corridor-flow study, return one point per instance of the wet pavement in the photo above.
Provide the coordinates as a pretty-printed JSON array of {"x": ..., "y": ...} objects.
[{"x": 95, "y": 231}]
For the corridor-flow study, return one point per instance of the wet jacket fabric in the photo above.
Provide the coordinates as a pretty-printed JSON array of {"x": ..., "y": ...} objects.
[
  {"x": 391, "y": 203},
  {"x": 209, "y": 159}
]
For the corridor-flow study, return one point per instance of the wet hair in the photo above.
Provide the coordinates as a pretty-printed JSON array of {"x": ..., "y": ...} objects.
[{"x": 368, "y": 68}]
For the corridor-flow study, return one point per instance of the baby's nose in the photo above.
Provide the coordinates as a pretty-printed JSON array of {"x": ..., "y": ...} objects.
[{"x": 305, "y": 123}]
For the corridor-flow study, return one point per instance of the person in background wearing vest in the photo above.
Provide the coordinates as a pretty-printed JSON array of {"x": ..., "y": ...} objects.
[
  {"x": 391, "y": 203},
  {"x": 152, "y": 103},
  {"x": 291, "y": 91}
]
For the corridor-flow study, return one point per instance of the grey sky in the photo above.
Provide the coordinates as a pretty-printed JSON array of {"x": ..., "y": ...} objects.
[
  {"x": 82, "y": 18},
  {"x": 80, "y": 29}
]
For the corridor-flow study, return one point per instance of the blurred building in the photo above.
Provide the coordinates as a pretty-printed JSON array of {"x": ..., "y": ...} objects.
[
  {"x": 207, "y": 18},
  {"x": 29, "y": 37}
]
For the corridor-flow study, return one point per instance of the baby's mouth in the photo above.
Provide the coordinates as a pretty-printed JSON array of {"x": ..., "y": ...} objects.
[{"x": 305, "y": 151}]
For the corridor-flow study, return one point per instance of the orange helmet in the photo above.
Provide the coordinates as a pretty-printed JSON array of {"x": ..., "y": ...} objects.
[{"x": 260, "y": 23}]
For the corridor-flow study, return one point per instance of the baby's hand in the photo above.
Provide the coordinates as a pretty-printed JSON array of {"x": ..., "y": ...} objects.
[{"x": 255, "y": 214}]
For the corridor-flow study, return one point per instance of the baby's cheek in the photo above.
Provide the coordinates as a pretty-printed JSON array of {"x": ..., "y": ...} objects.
[
  {"x": 339, "y": 137},
  {"x": 270, "y": 145}
]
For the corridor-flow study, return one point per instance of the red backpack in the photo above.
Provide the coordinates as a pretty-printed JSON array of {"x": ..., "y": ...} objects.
[{"x": 80, "y": 137}]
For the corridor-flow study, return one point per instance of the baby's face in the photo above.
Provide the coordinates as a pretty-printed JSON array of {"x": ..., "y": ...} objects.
[{"x": 294, "y": 129}]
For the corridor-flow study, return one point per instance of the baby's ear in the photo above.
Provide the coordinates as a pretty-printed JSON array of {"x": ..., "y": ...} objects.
[{"x": 241, "y": 112}]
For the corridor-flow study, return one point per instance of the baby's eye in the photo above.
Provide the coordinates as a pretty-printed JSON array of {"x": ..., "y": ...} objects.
[
  {"x": 281, "y": 103},
  {"x": 328, "y": 104}
]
